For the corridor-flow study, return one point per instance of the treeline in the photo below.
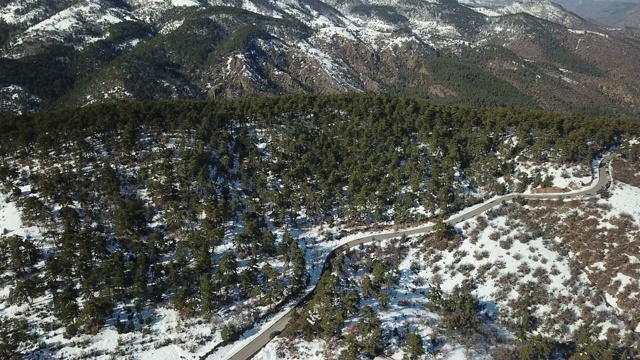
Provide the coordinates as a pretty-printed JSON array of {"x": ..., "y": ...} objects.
[{"x": 353, "y": 153}]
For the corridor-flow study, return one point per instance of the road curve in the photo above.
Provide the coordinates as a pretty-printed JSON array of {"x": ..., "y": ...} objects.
[{"x": 252, "y": 348}]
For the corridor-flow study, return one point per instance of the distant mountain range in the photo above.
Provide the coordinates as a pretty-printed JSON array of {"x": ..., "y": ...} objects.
[
  {"x": 478, "y": 52},
  {"x": 608, "y": 13}
]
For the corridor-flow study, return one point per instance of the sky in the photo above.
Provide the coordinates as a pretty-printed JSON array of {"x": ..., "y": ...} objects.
[{"x": 616, "y": 13}]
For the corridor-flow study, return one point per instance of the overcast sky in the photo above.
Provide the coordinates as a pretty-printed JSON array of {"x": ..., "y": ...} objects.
[{"x": 614, "y": 13}]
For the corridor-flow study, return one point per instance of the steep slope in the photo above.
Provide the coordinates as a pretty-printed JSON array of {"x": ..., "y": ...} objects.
[{"x": 500, "y": 53}]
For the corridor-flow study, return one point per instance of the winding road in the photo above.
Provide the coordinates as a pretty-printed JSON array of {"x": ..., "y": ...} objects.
[{"x": 252, "y": 348}]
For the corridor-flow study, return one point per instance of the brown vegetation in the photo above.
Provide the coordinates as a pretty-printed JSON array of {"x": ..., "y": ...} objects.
[
  {"x": 626, "y": 166},
  {"x": 549, "y": 190}
]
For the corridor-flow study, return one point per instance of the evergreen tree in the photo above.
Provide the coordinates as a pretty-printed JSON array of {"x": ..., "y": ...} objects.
[
  {"x": 248, "y": 281},
  {"x": 206, "y": 295},
  {"x": 268, "y": 243},
  {"x": 370, "y": 332},
  {"x": 65, "y": 305},
  {"x": 228, "y": 269},
  {"x": 413, "y": 347},
  {"x": 299, "y": 276},
  {"x": 140, "y": 282},
  {"x": 350, "y": 353},
  {"x": 351, "y": 300}
]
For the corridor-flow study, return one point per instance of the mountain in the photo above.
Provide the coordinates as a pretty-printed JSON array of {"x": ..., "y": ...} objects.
[
  {"x": 483, "y": 53},
  {"x": 608, "y": 13}
]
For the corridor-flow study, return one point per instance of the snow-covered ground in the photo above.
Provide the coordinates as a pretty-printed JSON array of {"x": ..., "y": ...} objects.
[
  {"x": 503, "y": 257},
  {"x": 624, "y": 199},
  {"x": 163, "y": 334}
]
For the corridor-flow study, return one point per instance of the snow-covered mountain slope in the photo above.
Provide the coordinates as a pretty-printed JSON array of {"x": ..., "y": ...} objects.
[
  {"x": 542, "y": 9},
  {"x": 222, "y": 48},
  {"x": 87, "y": 21},
  {"x": 77, "y": 23}
]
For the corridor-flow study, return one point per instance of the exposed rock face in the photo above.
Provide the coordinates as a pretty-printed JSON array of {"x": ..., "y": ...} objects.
[{"x": 480, "y": 52}]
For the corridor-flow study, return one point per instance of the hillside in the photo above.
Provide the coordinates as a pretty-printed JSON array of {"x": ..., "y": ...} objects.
[
  {"x": 531, "y": 54},
  {"x": 543, "y": 279},
  {"x": 159, "y": 230}
]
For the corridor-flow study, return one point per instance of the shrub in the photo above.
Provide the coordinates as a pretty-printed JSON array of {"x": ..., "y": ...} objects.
[
  {"x": 230, "y": 333},
  {"x": 506, "y": 244}
]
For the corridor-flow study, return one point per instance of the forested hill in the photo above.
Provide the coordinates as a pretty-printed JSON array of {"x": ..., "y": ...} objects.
[
  {"x": 123, "y": 209},
  {"x": 354, "y": 153},
  {"x": 36, "y": 130}
]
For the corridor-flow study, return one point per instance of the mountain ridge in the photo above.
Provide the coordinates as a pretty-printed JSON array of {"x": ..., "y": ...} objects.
[{"x": 97, "y": 51}]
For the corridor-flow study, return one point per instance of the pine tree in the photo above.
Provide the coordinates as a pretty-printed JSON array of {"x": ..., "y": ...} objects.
[
  {"x": 140, "y": 282},
  {"x": 350, "y": 353},
  {"x": 94, "y": 313},
  {"x": 351, "y": 301},
  {"x": 130, "y": 218},
  {"x": 367, "y": 287},
  {"x": 228, "y": 269},
  {"x": 248, "y": 280},
  {"x": 229, "y": 333},
  {"x": 435, "y": 299},
  {"x": 370, "y": 332},
  {"x": 536, "y": 348},
  {"x": 117, "y": 278},
  {"x": 379, "y": 273},
  {"x": 443, "y": 230},
  {"x": 269, "y": 277},
  {"x": 34, "y": 208},
  {"x": 17, "y": 262},
  {"x": 206, "y": 295},
  {"x": 285, "y": 245},
  {"x": 383, "y": 300},
  {"x": 268, "y": 243},
  {"x": 299, "y": 277},
  {"x": 25, "y": 289},
  {"x": 65, "y": 305},
  {"x": 204, "y": 263},
  {"x": 413, "y": 347}
]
